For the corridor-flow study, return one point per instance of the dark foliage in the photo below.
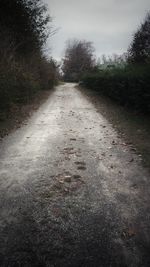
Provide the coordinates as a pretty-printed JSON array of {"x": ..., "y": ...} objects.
[
  {"x": 128, "y": 83},
  {"x": 139, "y": 51},
  {"x": 26, "y": 22},
  {"x": 129, "y": 86},
  {"x": 24, "y": 27},
  {"x": 78, "y": 59}
]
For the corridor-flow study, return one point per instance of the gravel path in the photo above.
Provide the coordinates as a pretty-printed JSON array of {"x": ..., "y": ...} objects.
[{"x": 72, "y": 193}]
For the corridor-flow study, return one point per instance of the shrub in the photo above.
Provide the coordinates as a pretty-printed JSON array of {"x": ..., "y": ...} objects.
[
  {"x": 23, "y": 67},
  {"x": 129, "y": 86}
]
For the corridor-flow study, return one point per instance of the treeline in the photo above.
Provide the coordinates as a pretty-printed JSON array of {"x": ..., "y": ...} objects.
[
  {"x": 24, "y": 69},
  {"x": 126, "y": 79}
]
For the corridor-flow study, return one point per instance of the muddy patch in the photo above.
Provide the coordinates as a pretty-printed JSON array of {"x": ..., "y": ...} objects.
[
  {"x": 64, "y": 184},
  {"x": 81, "y": 165},
  {"x": 82, "y": 168}
]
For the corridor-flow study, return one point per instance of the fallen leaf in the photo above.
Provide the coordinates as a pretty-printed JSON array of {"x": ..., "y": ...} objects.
[
  {"x": 129, "y": 233},
  {"x": 131, "y": 160}
]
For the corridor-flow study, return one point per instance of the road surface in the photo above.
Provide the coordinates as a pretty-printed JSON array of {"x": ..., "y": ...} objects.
[{"x": 72, "y": 193}]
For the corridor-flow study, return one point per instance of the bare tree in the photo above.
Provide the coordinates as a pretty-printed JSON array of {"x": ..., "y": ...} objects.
[{"x": 79, "y": 59}]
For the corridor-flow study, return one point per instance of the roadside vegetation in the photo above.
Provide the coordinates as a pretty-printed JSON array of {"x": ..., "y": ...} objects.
[
  {"x": 126, "y": 78},
  {"x": 24, "y": 67},
  {"x": 129, "y": 86}
]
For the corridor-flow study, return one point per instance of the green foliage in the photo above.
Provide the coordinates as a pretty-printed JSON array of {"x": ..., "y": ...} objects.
[{"x": 129, "y": 86}]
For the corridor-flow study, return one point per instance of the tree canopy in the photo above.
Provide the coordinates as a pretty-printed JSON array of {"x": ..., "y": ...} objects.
[
  {"x": 139, "y": 51},
  {"x": 26, "y": 22},
  {"x": 78, "y": 59}
]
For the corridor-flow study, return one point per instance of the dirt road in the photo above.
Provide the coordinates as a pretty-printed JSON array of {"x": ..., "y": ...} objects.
[{"x": 71, "y": 192}]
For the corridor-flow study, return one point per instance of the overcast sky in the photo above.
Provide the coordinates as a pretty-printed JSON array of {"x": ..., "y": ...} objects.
[{"x": 109, "y": 24}]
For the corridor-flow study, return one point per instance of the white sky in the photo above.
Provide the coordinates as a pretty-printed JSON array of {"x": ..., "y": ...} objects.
[{"x": 109, "y": 24}]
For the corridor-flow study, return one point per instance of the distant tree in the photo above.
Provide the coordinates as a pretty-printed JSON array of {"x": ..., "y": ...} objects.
[
  {"x": 112, "y": 61},
  {"x": 78, "y": 59},
  {"x": 139, "y": 50}
]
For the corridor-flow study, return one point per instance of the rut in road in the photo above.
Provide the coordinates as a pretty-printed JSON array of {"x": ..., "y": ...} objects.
[{"x": 71, "y": 192}]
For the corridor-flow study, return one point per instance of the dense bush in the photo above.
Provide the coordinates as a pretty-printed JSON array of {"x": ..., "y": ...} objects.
[
  {"x": 23, "y": 67},
  {"x": 127, "y": 79},
  {"x": 129, "y": 86},
  {"x": 19, "y": 81}
]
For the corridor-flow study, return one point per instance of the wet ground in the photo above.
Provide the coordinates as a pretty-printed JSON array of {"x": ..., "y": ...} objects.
[{"x": 72, "y": 193}]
